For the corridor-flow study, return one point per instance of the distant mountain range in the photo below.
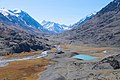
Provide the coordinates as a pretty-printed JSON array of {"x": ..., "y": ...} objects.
[
  {"x": 58, "y": 28},
  {"x": 54, "y": 27},
  {"x": 23, "y": 20}
]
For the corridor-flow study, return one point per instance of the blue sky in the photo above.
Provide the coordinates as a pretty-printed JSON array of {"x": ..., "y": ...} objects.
[{"x": 61, "y": 11}]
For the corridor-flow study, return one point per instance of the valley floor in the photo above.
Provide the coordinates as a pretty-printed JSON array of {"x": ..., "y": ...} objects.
[
  {"x": 58, "y": 62},
  {"x": 105, "y": 67}
]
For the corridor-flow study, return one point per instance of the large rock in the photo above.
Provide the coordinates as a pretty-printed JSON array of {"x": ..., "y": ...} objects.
[{"x": 112, "y": 62}]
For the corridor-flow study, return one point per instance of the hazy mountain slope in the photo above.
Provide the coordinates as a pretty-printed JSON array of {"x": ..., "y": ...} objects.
[
  {"x": 58, "y": 28},
  {"x": 83, "y": 20},
  {"x": 54, "y": 27},
  {"x": 16, "y": 40},
  {"x": 103, "y": 29}
]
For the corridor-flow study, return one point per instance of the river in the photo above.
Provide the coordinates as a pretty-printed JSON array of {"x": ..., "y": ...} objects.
[{"x": 5, "y": 62}]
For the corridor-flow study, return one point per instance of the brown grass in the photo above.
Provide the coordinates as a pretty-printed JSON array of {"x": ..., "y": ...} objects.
[
  {"x": 94, "y": 51},
  {"x": 84, "y": 48},
  {"x": 53, "y": 49},
  {"x": 22, "y": 55},
  {"x": 23, "y": 70},
  {"x": 98, "y": 54}
]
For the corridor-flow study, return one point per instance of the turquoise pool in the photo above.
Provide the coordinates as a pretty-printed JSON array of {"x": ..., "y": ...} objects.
[{"x": 84, "y": 57}]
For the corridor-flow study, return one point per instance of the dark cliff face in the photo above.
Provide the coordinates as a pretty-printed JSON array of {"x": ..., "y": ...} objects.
[
  {"x": 103, "y": 29},
  {"x": 113, "y": 6}
]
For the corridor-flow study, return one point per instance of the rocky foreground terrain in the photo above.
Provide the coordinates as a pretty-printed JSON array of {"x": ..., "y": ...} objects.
[{"x": 107, "y": 68}]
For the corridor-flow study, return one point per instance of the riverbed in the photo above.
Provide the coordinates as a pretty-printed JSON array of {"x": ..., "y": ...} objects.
[{"x": 5, "y": 62}]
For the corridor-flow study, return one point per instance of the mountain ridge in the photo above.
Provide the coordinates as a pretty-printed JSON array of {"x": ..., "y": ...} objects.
[
  {"x": 83, "y": 20},
  {"x": 59, "y": 28}
]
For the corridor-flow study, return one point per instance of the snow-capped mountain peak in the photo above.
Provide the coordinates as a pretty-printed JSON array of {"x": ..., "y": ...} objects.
[
  {"x": 6, "y": 12},
  {"x": 87, "y": 17},
  {"x": 83, "y": 20},
  {"x": 54, "y": 27},
  {"x": 14, "y": 12},
  {"x": 24, "y": 20},
  {"x": 20, "y": 18}
]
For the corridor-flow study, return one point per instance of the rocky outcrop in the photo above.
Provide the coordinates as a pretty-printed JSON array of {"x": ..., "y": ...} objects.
[
  {"x": 112, "y": 62},
  {"x": 14, "y": 40}
]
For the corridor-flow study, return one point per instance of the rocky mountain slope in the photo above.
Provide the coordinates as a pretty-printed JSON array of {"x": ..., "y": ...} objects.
[
  {"x": 103, "y": 29},
  {"x": 83, "y": 20},
  {"x": 15, "y": 40}
]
